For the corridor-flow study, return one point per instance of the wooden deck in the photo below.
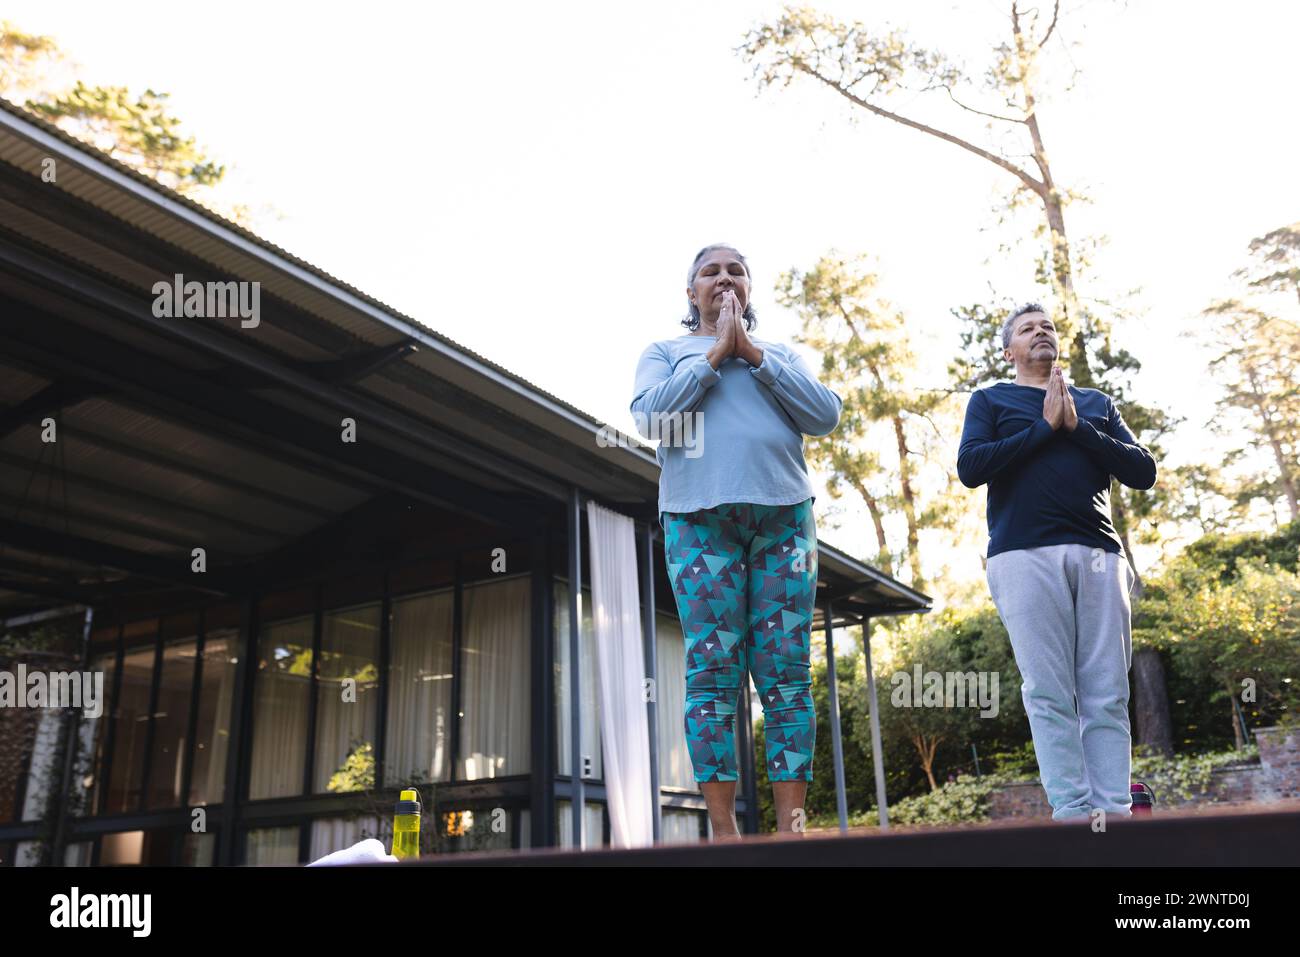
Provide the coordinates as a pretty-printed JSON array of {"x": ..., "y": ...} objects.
[{"x": 1235, "y": 836}]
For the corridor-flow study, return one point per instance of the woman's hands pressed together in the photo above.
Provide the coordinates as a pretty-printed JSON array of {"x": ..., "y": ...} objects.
[
  {"x": 725, "y": 347},
  {"x": 732, "y": 339}
]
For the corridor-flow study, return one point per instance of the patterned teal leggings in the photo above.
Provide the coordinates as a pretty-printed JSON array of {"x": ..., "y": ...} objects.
[{"x": 745, "y": 580}]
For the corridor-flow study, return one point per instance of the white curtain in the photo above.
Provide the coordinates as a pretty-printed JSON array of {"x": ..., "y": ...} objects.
[
  {"x": 280, "y": 710},
  {"x": 267, "y": 846},
  {"x": 675, "y": 770},
  {"x": 419, "y": 694},
  {"x": 680, "y": 827},
  {"x": 77, "y": 855},
  {"x": 337, "y": 834},
  {"x": 593, "y": 824},
  {"x": 620, "y": 660},
  {"x": 495, "y": 693},
  {"x": 216, "y": 697},
  {"x": 590, "y": 744}
]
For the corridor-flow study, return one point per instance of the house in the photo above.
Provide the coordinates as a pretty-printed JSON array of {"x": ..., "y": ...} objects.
[{"x": 318, "y": 553}]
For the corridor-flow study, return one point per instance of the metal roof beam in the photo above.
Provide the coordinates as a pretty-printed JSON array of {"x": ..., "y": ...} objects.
[
  {"x": 47, "y": 590},
  {"x": 131, "y": 493},
  {"x": 114, "y": 525},
  {"x": 334, "y": 371},
  {"x": 90, "y": 222},
  {"x": 44, "y": 339},
  {"x": 162, "y": 199},
  {"x": 197, "y": 470},
  {"x": 227, "y": 349},
  {"x": 174, "y": 571},
  {"x": 50, "y": 399}
]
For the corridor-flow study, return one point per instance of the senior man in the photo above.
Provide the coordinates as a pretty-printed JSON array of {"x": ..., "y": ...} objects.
[{"x": 1056, "y": 569}]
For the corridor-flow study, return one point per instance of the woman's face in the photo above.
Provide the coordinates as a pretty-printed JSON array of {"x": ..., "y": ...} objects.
[{"x": 720, "y": 271}]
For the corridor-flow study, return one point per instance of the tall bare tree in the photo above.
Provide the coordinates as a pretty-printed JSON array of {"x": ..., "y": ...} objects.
[{"x": 870, "y": 67}]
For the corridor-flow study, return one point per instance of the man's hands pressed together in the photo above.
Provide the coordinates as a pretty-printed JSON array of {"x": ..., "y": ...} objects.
[
  {"x": 1058, "y": 404},
  {"x": 732, "y": 339}
]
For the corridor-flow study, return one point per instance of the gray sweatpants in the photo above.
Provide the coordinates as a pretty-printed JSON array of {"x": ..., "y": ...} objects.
[{"x": 1066, "y": 608}]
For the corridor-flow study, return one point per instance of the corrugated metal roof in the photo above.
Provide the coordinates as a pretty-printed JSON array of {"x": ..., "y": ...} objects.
[
  {"x": 155, "y": 217},
  {"x": 516, "y": 418}
]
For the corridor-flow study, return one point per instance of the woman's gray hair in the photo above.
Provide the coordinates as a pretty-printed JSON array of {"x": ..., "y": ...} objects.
[
  {"x": 1006, "y": 326},
  {"x": 692, "y": 321}
]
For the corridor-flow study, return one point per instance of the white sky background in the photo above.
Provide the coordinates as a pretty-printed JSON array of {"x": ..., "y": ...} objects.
[{"x": 532, "y": 180}]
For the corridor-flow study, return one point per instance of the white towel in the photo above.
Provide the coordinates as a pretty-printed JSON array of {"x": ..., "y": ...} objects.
[{"x": 363, "y": 852}]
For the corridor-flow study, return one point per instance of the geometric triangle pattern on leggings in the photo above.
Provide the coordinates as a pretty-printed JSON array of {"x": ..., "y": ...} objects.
[{"x": 745, "y": 581}]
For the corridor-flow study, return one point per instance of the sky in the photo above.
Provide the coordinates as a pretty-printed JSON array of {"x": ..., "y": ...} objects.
[{"x": 533, "y": 180}]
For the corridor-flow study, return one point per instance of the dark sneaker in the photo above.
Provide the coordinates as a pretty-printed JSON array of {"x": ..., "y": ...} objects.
[{"x": 1143, "y": 799}]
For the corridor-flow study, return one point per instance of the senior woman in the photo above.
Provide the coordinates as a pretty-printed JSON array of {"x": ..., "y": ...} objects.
[{"x": 740, "y": 543}]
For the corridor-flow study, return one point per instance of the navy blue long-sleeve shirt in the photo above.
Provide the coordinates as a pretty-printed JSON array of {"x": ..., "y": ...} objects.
[{"x": 1048, "y": 487}]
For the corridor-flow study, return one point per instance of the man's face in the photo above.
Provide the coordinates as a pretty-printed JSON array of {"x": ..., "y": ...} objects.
[{"x": 1033, "y": 341}]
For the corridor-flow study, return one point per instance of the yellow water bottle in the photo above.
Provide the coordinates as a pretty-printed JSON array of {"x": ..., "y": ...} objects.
[{"x": 406, "y": 826}]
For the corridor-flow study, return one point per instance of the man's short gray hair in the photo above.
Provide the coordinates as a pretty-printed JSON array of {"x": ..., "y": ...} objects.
[{"x": 1011, "y": 319}]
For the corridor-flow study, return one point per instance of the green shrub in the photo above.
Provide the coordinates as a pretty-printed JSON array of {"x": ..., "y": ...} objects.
[
  {"x": 964, "y": 801},
  {"x": 1185, "y": 777},
  {"x": 1175, "y": 780}
]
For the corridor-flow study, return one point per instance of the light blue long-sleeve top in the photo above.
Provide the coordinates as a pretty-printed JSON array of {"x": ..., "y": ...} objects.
[{"x": 731, "y": 434}]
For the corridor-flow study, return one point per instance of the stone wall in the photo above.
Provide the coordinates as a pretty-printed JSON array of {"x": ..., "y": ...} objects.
[
  {"x": 1279, "y": 751},
  {"x": 1276, "y": 777}
]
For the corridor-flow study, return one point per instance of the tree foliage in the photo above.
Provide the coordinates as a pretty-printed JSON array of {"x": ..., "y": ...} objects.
[
  {"x": 891, "y": 435},
  {"x": 138, "y": 130}
]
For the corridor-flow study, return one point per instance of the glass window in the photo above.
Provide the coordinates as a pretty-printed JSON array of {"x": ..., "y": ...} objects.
[
  {"x": 78, "y": 855},
  {"x": 478, "y": 829},
  {"x": 419, "y": 689},
  {"x": 591, "y": 740},
  {"x": 675, "y": 769},
  {"x": 339, "y": 833},
  {"x": 593, "y": 824},
  {"x": 28, "y": 853},
  {"x": 212, "y": 735},
  {"x": 34, "y": 737},
  {"x": 31, "y": 739},
  {"x": 131, "y": 725},
  {"x": 265, "y": 846},
  {"x": 347, "y": 703},
  {"x": 171, "y": 721},
  {"x": 495, "y": 687},
  {"x": 681, "y": 827},
  {"x": 199, "y": 850},
  {"x": 280, "y": 690},
  {"x": 92, "y": 736},
  {"x": 14, "y": 735},
  {"x": 124, "y": 848},
  {"x": 150, "y": 848}
]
